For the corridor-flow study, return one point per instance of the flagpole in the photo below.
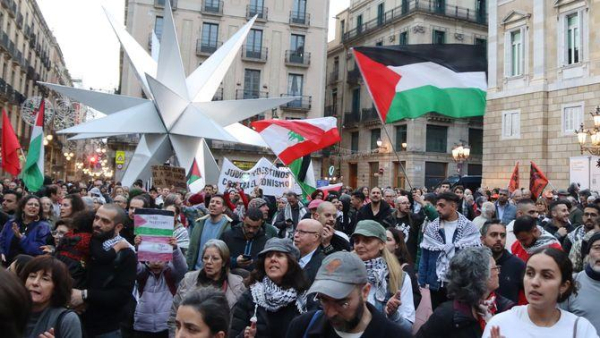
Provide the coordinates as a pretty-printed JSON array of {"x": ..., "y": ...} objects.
[
  {"x": 396, "y": 153},
  {"x": 295, "y": 178}
]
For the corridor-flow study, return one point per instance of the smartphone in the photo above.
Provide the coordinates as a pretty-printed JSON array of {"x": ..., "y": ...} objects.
[{"x": 247, "y": 257}]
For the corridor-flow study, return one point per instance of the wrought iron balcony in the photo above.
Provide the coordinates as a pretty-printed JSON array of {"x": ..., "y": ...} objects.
[
  {"x": 299, "y": 19},
  {"x": 351, "y": 119},
  {"x": 369, "y": 115},
  {"x": 250, "y": 94},
  {"x": 434, "y": 7},
  {"x": 4, "y": 41},
  {"x": 261, "y": 12},
  {"x": 353, "y": 77},
  {"x": 302, "y": 103},
  {"x": 297, "y": 58},
  {"x": 255, "y": 54},
  {"x": 330, "y": 111},
  {"x": 218, "y": 95},
  {"x": 334, "y": 77},
  {"x": 212, "y": 7},
  {"x": 27, "y": 31},
  {"x": 19, "y": 20},
  {"x": 204, "y": 48}
]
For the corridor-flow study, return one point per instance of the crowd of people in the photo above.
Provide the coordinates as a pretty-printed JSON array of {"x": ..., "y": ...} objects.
[{"x": 366, "y": 262}]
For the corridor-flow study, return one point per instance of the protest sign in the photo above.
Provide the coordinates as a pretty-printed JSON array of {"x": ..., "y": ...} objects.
[
  {"x": 272, "y": 180},
  {"x": 167, "y": 177},
  {"x": 155, "y": 227}
]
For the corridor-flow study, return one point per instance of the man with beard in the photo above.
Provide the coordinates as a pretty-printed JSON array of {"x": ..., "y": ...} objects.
[
  {"x": 530, "y": 238},
  {"x": 585, "y": 302},
  {"x": 504, "y": 210},
  {"x": 525, "y": 207},
  {"x": 111, "y": 280},
  {"x": 9, "y": 206},
  {"x": 246, "y": 240},
  {"x": 342, "y": 288},
  {"x": 377, "y": 210},
  {"x": 493, "y": 236},
  {"x": 293, "y": 212},
  {"x": 591, "y": 214},
  {"x": 331, "y": 240},
  {"x": 409, "y": 223},
  {"x": 559, "y": 225}
]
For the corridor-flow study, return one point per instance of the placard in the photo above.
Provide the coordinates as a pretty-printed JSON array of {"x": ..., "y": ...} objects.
[
  {"x": 272, "y": 180},
  {"x": 167, "y": 177},
  {"x": 155, "y": 227}
]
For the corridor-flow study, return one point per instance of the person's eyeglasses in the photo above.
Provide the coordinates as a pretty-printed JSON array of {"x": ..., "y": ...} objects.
[
  {"x": 302, "y": 232},
  {"x": 340, "y": 304}
]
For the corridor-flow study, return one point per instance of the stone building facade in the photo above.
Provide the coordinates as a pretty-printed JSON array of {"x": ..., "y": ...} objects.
[
  {"x": 423, "y": 145},
  {"x": 544, "y": 78},
  {"x": 285, "y": 54}
]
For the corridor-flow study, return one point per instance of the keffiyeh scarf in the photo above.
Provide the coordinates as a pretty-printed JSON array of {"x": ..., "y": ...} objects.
[
  {"x": 576, "y": 234},
  {"x": 545, "y": 239},
  {"x": 271, "y": 297},
  {"x": 466, "y": 235},
  {"x": 109, "y": 243},
  {"x": 377, "y": 274}
]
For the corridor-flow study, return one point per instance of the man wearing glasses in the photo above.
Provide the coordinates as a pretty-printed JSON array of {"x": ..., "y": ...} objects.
[
  {"x": 307, "y": 238},
  {"x": 342, "y": 288}
]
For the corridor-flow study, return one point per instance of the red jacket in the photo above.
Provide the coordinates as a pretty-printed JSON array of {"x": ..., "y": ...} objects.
[{"x": 518, "y": 250}]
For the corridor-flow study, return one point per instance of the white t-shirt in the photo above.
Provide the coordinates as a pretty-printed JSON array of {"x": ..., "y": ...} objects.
[
  {"x": 515, "y": 323},
  {"x": 449, "y": 229}
]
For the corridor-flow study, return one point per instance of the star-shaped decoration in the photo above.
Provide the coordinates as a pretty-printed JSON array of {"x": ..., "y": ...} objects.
[{"x": 179, "y": 113}]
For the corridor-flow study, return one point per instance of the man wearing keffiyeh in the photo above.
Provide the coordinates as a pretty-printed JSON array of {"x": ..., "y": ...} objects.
[{"x": 531, "y": 237}]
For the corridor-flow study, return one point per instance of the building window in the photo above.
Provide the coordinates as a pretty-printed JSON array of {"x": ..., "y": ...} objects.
[
  {"x": 354, "y": 142},
  {"x": 158, "y": 26},
  {"x": 474, "y": 169},
  {"x": 435, "y": 173},
  {"x": 295, "y": 88},
  {"x": 343, "y": 27},
  {"x": 254, "y": 43},
  {"x": 210, "y": 35},
  {"x": 476, "y": 141},
  {"x": 401, "y": 138},
  {"x": 573, "y": 38},
  {"x": 439, "y": 37},
  {"x": 380, "y": 14},
  {"x": 480, "y": 42},
  {"x": 514, "y": 54},
  {"x": 511, "y": 124},
  {"x": 437, "y": 139},
  {"x": 375, "y": 136},
  {"x": 572, "y": 117},
  {"x": 403, "y": 39},
  {"x": 356, "y": 101},
  {"x": 379, "y": 43},
  {"x": 359, "y": 21},
  {"x": 251, "y": 83}
]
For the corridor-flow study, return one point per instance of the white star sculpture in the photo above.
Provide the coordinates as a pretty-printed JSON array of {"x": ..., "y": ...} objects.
[{"x": 178, "y": 114}]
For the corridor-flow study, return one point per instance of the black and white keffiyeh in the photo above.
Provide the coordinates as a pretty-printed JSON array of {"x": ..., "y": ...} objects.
[
  {"x": 109, "y": 243},
  {"x": 377, "y": 273},
  {"x": 272, "y": 298}
]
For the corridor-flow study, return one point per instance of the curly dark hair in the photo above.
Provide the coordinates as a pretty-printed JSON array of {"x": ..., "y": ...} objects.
[
  {"x": 21, "y": 207},
  {"x": 294, "y": 277},
  {"x": 63, "y": 284}
]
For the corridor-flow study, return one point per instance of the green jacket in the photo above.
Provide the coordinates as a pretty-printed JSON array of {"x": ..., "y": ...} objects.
[{"x": 193, "y": 251}]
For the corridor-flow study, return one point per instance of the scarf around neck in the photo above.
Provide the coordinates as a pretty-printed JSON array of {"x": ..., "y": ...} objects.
[
  {"x": 109, "y": 243},
  {"x": 271, "y": 297},
  {"x": 591, "y": 273},
  {"x": 288, "y": 211},
  {"x": 546, "y": 239},
  {"x": 377, "y": 274}
]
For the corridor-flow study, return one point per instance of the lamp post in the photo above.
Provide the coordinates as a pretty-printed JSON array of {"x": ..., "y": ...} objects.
[
  {"x": 461, "y": 153},
  {"x": 594, "y": 133}
]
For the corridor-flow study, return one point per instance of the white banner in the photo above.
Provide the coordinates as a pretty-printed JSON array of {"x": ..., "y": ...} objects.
[{"x": 272, "y": 180}]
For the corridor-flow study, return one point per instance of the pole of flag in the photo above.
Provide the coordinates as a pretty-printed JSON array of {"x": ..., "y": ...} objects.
[{"x": 396, "y": 153}]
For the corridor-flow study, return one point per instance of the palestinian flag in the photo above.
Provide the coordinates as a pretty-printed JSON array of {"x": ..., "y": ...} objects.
[
  {"x": 413, "y": 80},
  {"x": 33, "y": 173},
  {"x": 194, "y": 173},
  {"x": 303, "y": 172},
  {"x": 293, "y": 139}
]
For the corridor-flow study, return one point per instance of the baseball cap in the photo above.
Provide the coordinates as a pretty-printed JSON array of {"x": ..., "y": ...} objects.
[
  {"x": 370, "y": 228},
  {"x": 339, "y": 274},
  {"x": 281, "y": 245}
]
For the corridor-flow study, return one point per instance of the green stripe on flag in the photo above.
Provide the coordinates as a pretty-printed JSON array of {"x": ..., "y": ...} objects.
[
  {"x": 452, "y": 102},
  {"x": 153, "y": 232}
]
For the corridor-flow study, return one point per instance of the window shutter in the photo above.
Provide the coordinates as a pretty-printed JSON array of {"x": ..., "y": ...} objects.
[
  {"x": 516, "y": 124},
  {"x": 507, "y": 54}
]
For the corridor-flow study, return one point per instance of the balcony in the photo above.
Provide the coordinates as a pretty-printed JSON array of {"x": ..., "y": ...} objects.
[
  {"x": 297, "y": 58},
  {"x": 161, "y": 4},
  {"x": 218, "y": 95},
  {"x": 27, "y": 31},
  {"x": 353, "y": 77},
  {"x": 416, "y": 6},
  {"x": 334, "y": 77},
  {"x": 30, "y": 73},
  {"x": 244, "y": 94},
  {"x": 212, "y": 7},
  {"x": 330, "y": 111},
  {"x": 261, "y": 12},
  {"x": 4, "y": 41},
  {"x": 351, "y": 119},
  {"x": 300, "y": 19},
  {"x": 255, "y": 54},
  {"x": 12, "y": 8},
  {"x": 17, "y": 57},
  {"x": 32, "y": 40},
  {"x": 302, "y": 103},
  {"x": 205, "y": 48},
  {"x": 19, "y": 20},
  {"x": 11, "y": 49},
  {"x": 369, "y": 115}
]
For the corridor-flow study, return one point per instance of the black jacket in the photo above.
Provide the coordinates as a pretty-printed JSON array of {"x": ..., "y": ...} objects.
[
  {"x": 269, "y": 324},
  {"x": 511, "y": 276},
  {"x": 415, "y": 222},
  {"x": 379, "y": 327},
  {"x": 238, "y": 245},
  {"x": 311, "y": 268},
  {"x": 384, "y": 216},
  {"x": 551, "y": 228},
  {"x": 110, "y": 289}
]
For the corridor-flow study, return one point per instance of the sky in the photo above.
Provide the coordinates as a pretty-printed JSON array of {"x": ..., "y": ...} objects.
[{"x": 89, "y": 45}]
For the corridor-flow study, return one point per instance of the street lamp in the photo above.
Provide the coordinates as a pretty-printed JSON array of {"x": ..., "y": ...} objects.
[
  {"x": 594, "y": 133},
  {"x": 379, "y": 142},
  {"x": 461, "y": 153}
]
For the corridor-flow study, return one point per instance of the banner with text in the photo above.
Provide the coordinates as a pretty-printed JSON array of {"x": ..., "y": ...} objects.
[
  {"x": 164, "y": 176},
  {"x": 272, "y": 180},
  {"x": 155, "y": 227}
]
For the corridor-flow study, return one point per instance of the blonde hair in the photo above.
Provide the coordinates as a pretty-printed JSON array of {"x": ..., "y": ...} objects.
[{"x": 395, "y": 271}]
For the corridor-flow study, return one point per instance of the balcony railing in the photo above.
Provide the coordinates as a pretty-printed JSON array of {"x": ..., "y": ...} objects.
[
  {"x": 27, "y": 31},
  {"x": 369, "y": 115},
  {"x": 255, "y": 54},
  {"x": 334, "y": 77},
  {"x": 212, "y": 7},
  {"x": 303, "y": 103},
  {"x": 207, "y": 47},
  {"x": 297, "y": 58},
  {"x": 4, "y": 41},
  {"x": 19, "y": 20},
  {"x": 12, "y": 8},
  {"x": 351, "y": 119},
  {"x": 353, "y": 77},
  {"x": 299, "y": 18},
  {"x": 261, "y": 12},
  {"x": 250, "y": 94},
  {"x": 218, "y": 95},
  {"x": 330, "y": 111},
  {"x": 161, "y": 4},
  {"x": 417, "y": 6}
]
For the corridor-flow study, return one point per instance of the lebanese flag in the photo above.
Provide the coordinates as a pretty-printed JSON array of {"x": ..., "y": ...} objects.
[
  {"x": 33, "y": 173},
  {"x": 413, "y": 80},
  {"x": 514, "y": 179},
  {"x": 537, "y": 181},
  {"x": 194, "y": 173},
  {"x": 293, "y": 139},
  {"x": 10, "y": 147}
]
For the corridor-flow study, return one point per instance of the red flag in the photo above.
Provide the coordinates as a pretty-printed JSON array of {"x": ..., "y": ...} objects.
[
  {"x": 537, "y": 181},
  {"x": 10, "y": 147},
  {"x": 514, "y": 179}
]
